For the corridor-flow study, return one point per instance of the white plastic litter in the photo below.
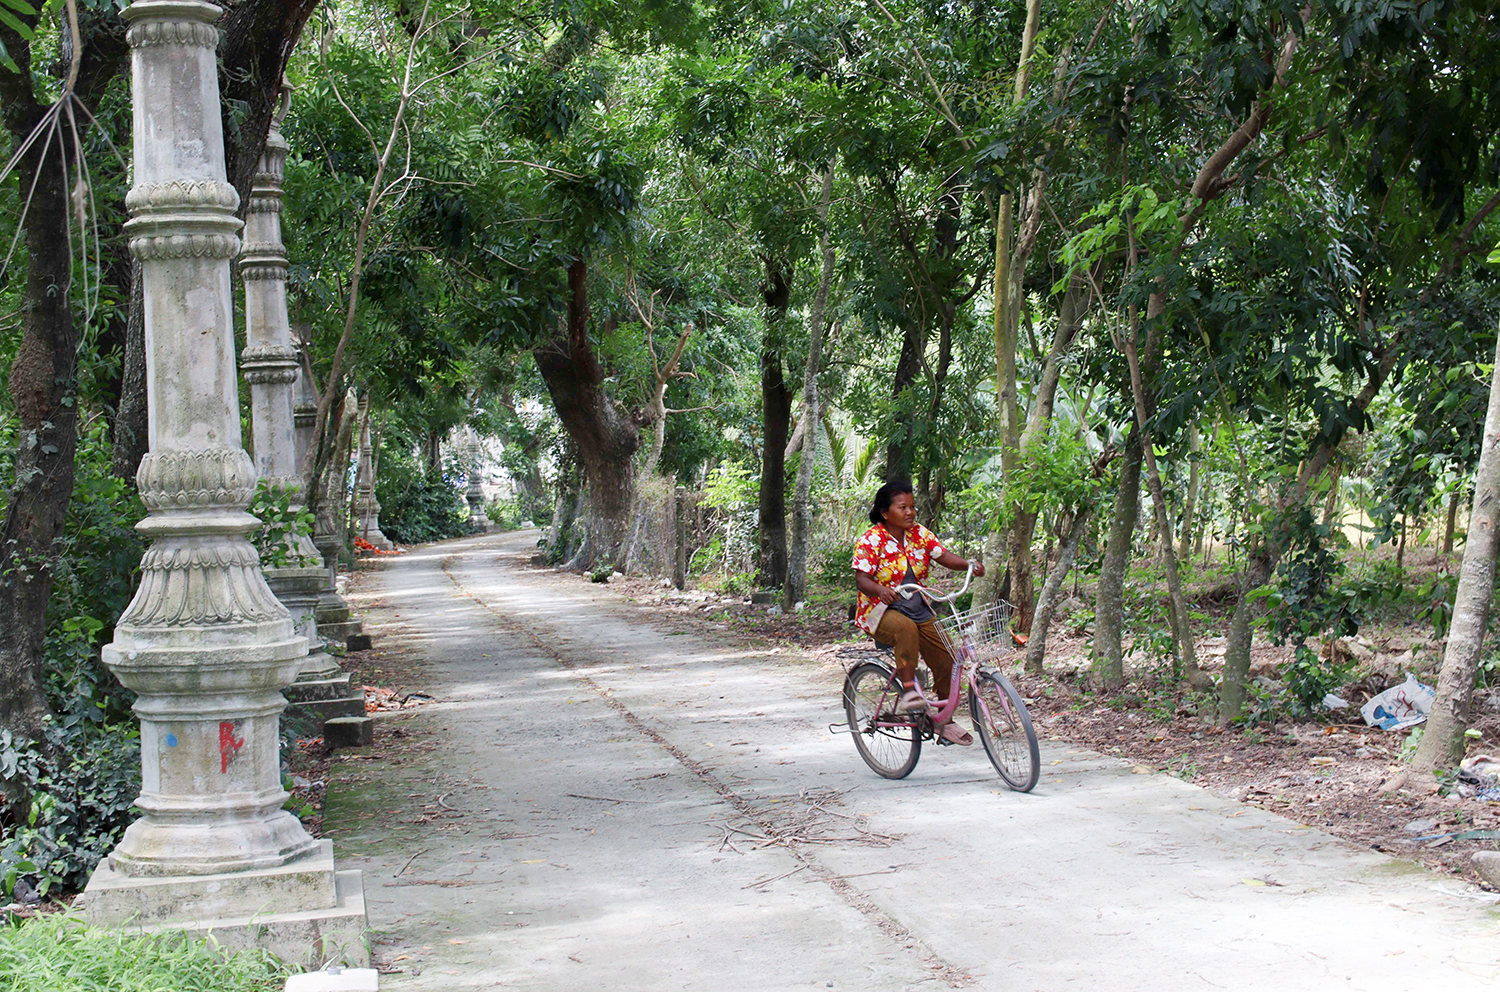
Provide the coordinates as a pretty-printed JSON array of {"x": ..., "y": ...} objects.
[
  {"x": 1333, "y": 702},
  {"x": 1400, "y": 706},
  {"x": 335, "y": 980}
]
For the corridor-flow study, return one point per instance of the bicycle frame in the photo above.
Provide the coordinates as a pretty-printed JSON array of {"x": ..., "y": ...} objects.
[{"x": 965, "y": 663}]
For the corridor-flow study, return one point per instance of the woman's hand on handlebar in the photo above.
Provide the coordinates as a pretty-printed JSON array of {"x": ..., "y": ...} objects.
[{"x": 953, "y": 561}]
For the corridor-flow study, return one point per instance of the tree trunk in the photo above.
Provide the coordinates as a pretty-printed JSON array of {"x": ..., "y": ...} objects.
[
  {"x": 569, "y": 485},
  {"x": 1190, "y": 501},
  {"x": 1442, "y": 742},
  {"x": 795, "y": 589},
  {"x": 130, "y": 431},
  {"x": 1070, "y": 313},
  {"x": 43, "y": 387},
  {"x": 908, "y": 367},
  {"x": 1258, "y": 567},
  {"x": 1331, "y": 505},
  {"x": 1182, "y": 629},
  {"x": 43, "y": 373},
  {"x": 258, "y": 37},
  {"x": 776, "y": 415},
  {"x": 606, "y": 440},
  {"x": 1036, "y": 647},
  {"x": 1452, "y": 519},
  {"x": 1109, "y": 596}
]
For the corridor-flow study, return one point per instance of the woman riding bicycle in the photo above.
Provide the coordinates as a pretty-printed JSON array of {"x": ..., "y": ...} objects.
[{"x": 895, "y": 551}]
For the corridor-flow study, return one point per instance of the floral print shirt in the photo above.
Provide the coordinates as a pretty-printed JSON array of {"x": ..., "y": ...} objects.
[{"x": 878, "y": 554}]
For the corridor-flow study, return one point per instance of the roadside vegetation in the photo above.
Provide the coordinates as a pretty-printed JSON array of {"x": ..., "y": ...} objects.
[{"x": 1179, "y": 316}]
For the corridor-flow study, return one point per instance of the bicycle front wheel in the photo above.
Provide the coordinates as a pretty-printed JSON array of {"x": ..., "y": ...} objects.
[
  {"x": 1005, "y": 729},
  {"x": 870, "y": 694}
]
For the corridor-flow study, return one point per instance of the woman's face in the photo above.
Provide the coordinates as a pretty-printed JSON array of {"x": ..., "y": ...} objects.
[{"x": 902, "y": 513}]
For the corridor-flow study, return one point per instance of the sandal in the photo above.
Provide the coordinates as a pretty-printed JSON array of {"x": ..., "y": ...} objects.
[{"x": 954, "y": 734}]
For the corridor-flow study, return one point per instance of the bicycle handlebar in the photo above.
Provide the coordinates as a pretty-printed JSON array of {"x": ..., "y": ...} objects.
[{"x": 907, "y": 588}]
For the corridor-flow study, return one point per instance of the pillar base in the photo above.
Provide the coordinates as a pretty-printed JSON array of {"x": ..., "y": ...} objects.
[
  {"x": 345, "y": 633},
  {"x": 305, "y": 912}
]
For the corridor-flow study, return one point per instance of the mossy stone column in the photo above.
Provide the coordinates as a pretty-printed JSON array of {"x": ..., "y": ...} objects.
[
  {"x": 205, "y": 644},
  {"x": 365, "y": 501},
  {"x": 271, "y": 366}
]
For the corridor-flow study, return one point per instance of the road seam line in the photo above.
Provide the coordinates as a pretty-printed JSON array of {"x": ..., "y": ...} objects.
[{"x": 952, "y": 975}]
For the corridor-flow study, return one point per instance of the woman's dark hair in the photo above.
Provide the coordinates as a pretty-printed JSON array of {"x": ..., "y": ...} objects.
[{"x": 885, "y": 495}]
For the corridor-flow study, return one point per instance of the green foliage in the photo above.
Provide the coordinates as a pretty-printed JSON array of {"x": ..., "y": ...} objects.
[
  {"x": 281, "y": 524},
  {"x": 415, "y": 509},
  {"x": 59, "y": 951},
  {"x": 1438, "y": 594},
  {"x": 81, "y": 795},
  {"x": 94, "y": 568},
  {"x": 506, "y": 514},
  {"x": 1308, "y": 601}
]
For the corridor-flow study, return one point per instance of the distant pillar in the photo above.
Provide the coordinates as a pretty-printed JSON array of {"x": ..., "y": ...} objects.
[
  {"x": 477, "y": 517},
  {"x": 204, "y": 643},
  {"x": 369, "y": 506},
  {"x": 272, "y": 367}
]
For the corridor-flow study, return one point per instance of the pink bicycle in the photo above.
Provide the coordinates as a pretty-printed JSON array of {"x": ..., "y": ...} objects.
[{"x": 891, "y": 742}]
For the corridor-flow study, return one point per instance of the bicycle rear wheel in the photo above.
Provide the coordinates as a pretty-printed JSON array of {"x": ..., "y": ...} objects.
[
  {"x": 870, "y": 692},
  {"x": 1005, "y": 729}
]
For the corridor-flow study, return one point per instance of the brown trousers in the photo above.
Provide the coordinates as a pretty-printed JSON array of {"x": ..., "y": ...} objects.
[{"x": 911, "y": 639}]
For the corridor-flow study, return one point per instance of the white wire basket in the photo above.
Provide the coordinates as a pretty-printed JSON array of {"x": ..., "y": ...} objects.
[{"x": 981, "y": 634}]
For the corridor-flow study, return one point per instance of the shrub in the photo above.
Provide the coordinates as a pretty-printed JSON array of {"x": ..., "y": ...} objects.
[
  {"x": 61, "y": 952},
  {"x": 415, "y": 509},
  {"x": 81, "y": 801},
  {"x": 280, "y": 526}
]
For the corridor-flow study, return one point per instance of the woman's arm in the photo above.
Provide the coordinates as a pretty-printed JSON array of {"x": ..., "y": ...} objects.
[
  {"x": 950, "y": 560},
  {"x": 865, "y": 583}
]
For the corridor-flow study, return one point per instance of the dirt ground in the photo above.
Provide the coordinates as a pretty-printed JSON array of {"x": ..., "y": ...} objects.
[{"x": 1327, "y": 774}]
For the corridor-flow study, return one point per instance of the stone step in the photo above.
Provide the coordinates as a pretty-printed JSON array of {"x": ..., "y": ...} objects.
[
  {"x": 321, "y": 711},
  {"x": 349, "y": 731},
  {"x": 312, "y": 690}
]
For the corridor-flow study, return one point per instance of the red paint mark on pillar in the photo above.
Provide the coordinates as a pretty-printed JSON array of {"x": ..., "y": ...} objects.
[{"x": 229, "y": 745}]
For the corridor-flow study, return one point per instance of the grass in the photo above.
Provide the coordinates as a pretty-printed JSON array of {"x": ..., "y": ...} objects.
[{"x": 59, "y": 951}]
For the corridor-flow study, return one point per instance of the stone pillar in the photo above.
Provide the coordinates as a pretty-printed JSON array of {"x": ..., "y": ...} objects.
[
  {"x": 477, "y": 518},
  {"x": 334, "y": 622},
  {"x": 204, "y": 643},
  {"x": 368, "y": 505},
  {"x": 271, "y": 365}
]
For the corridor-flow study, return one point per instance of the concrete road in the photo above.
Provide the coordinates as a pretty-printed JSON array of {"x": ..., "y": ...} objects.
[{"x": 596, "y": 801}]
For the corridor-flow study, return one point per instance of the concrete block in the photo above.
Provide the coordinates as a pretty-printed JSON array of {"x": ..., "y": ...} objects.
[
  {"x": 765, "y": 597},
  {"x": 349, "y": 731},
  {"x": 322, "y": 710},
  {"x": 335, "y": 980}
]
